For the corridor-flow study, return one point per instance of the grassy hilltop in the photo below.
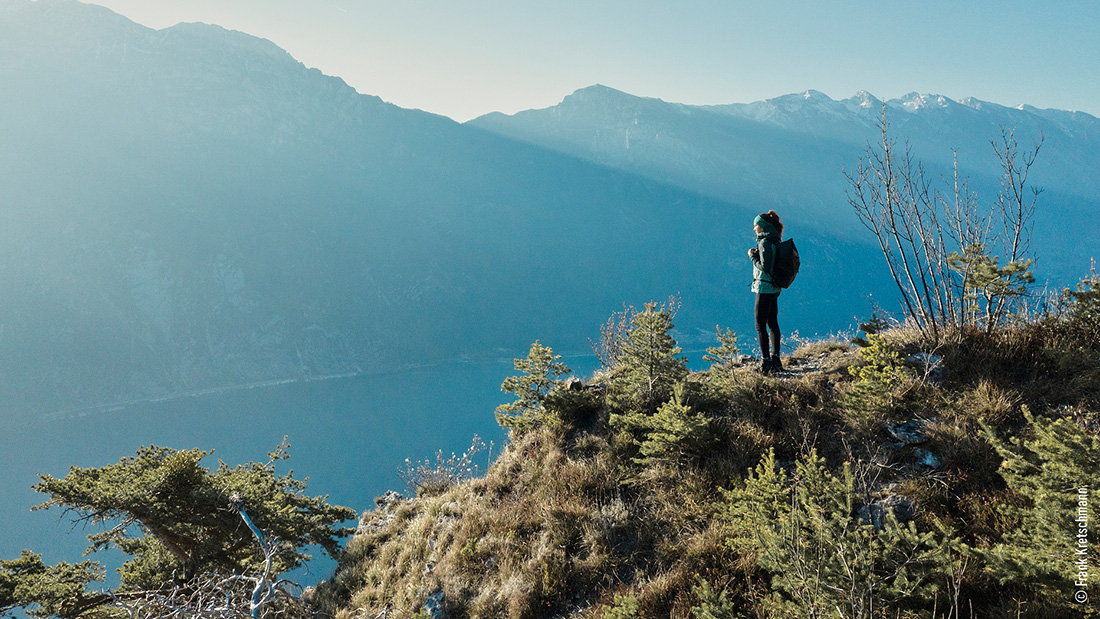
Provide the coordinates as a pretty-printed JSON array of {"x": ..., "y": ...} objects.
[
  {"x": 899, "y": 476},
  {"x": 904, "y": 474}
]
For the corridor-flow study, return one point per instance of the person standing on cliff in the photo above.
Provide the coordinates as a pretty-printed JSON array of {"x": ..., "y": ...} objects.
[{"x": 769, "y": 231}]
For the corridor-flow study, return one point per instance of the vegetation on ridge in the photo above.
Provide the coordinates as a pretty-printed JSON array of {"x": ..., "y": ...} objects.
[
  {"x": 863, "y": 482},
  {"x": 939, "y": 470}
]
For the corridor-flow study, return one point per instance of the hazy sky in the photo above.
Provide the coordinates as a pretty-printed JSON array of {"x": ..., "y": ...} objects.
[{"x": 464, "y": 58}]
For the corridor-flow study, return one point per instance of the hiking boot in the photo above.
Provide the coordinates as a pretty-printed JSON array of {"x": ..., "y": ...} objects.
[
  {"x": 765, "y": 366},
  {"x": 777, "y": 365}
]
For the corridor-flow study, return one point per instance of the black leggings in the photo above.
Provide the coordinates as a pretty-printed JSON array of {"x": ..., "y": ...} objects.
[{"x": 767, "y": 315}]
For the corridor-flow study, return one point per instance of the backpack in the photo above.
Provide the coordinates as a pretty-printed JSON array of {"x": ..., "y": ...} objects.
[{"x": 786, "y": 264}]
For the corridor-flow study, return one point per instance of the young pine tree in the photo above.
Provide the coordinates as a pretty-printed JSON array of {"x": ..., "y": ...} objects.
[
  {"x": 724, "y": 356},
  {"x": 881, "y": 372},
  {"x": 541, "y": 370},
  {"x": 1056, "y": 467},
  {"x": 675, "y": 433},
  {"x": 989, "y": 284},
  {"x": 648, "y": 367},
  {"x": 1084, "y": 309},
  {"x": 806, "y": 532}
]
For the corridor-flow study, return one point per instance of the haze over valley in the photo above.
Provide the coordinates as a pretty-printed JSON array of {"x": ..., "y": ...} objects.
[{"x": 189, "y": 212}]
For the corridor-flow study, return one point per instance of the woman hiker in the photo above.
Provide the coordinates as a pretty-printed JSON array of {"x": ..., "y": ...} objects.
[{"x": 769, "y": 231}]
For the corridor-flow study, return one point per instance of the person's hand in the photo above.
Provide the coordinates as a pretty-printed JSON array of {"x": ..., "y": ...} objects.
[{"x": 752, "y": 251}]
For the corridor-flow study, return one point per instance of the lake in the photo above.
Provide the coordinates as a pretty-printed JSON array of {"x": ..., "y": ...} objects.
[{"x": 349, "y": 436}]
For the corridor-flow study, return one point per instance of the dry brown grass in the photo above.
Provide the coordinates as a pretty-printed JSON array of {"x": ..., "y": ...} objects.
[{"x": 565, "y": 519}]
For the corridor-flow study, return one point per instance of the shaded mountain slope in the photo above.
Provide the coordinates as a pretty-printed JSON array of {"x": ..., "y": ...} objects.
[
  {"x": 791, "y": 152},
  {"x": 191, "y": 208}
]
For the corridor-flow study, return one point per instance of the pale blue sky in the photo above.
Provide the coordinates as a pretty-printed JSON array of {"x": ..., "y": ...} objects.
[{"x": 464, "y": 58}]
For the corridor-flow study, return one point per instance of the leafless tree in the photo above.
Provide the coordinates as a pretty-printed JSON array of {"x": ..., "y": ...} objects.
[
  {"x": 937, "y": 244},
  {"x": 894, "y": 200}
]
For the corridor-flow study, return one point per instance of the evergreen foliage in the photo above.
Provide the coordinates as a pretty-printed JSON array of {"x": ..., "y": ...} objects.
[
  {"x": 625, "y": 607},
  {"x": 986, "y": 284},
  {"x": 674, "y": 433},
  {"x": 712, "y": 605},
  {"x": 47, "y": 590},
  {"x": 804, "y": 530},
  {"x": 1084, "y": 312},
  {"x": 541, "y": 370},
  {"x": 1055, "y": 467},
  {"x": 174, "y": 518},
  {"x": 877, "y": 377},
  {"x": 647, "y": 364},
  {"x": 648, "y": 392},
  {"x": 725, "y": 355}
]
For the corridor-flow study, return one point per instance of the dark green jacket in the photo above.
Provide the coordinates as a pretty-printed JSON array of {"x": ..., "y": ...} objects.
[{"x": 763, "y": 261}]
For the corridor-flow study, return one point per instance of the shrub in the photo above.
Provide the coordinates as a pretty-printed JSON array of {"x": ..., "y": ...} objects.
[
  {"x": 675, "y": 433},
  {"x": 1084, "y": 311},
  {"x": 805, "y": 531},
  {"x": 725, "y": 355},
  {"x": 625, "y": 607},
  {"x": 876, "y": 379},
  {"x": 712, "y": 605},
  {"x": 426, "y": 479},
  {"x": 1054, "y": 468}
]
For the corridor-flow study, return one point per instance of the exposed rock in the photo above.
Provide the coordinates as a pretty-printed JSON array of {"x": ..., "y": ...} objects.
[
  {"x": 310, "y": 591},
  {"x": 911, "y": 432},
  {"x": 875, "y": 513},
  {"x": 434, "y": 606},
  {"x": 389, "y": 499},
  {"x": 929, "y": 364},
  {"x": 926, "y": 458},
  {"x": 371, "y": 522}
]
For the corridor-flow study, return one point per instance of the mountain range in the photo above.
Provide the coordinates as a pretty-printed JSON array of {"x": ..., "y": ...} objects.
[
  {"x": 792, "y": 150},
  {"x": 192, "y": 209}
]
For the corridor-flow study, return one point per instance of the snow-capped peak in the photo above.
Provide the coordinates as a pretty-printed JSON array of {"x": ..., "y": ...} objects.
[
  {"x": 862, "y": 101},
  {"x": 914, "y": 102},
  {"x": 971, "y": 102}
]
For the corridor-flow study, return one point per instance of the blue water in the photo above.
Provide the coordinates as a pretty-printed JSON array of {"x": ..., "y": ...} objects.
[{"x": 349, "y": 436}]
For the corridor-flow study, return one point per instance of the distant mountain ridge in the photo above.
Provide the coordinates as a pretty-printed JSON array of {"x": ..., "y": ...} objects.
[
  {"x": 191, "y": 209},
  {"x": 736, "y": 151}
]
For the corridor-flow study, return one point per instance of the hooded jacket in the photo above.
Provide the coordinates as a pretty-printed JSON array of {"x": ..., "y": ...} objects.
[{"x": 763, "y": 261}]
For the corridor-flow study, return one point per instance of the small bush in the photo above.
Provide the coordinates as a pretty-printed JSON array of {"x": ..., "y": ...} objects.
[
  {"x": 712, "y": 605},
  {"x": 675, "y": 433},
  {"x": 426, "y": 479},
  {"x": 1084, "y": 313},
  {"x": 724, "y": 357},
  {"x": 804, "y": 530},
  {"x": 1054, "y": 468},
  {"x": 625, "y": 607}
]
